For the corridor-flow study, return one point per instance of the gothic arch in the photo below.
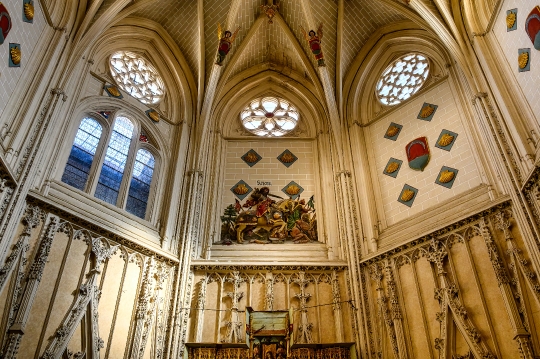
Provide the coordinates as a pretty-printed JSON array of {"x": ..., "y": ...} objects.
[
  {"x": 362, "y": 104},
  {"x": 162, "y": 53}
]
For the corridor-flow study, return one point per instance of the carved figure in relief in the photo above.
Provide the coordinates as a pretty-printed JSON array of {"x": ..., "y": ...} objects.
[
  {"x": 256, "y": 352},
  {"x": 225, "y": 43},
  {"x": 314, "y": 41},
  {"x": 281, "y": 353},
  {"x": 262, "y": 220}
]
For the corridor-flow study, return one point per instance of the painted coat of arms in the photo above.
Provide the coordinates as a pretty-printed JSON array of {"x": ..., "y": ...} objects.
[
  {"x": 261, "y": 219},
  {"x": 5, "y": 23},
  {"x": 418, "y": 153},
  {"x": 532, "y": 26}
]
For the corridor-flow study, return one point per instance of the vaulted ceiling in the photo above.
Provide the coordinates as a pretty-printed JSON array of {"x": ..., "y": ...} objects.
[
  {"x": 269, "y": 43},
  {"x": 349, "y": 28}
]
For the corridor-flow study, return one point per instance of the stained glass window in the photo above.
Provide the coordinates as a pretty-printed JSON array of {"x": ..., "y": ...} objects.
[
  {"x": 139, "y": 189},
  {"x": 116, "y": 156},
  {"x": 402, "y": 79},
  {"x": 82, "y": 153},
  {"x": 269, "y": 117},
  {"x": 137, "y": 77}
]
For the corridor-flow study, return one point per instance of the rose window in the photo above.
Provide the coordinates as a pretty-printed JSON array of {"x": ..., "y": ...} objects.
[
  {"x": 402, "y": 79},
  {"x": 269, "y": 117},
  {"x": 137, "y": 77}
]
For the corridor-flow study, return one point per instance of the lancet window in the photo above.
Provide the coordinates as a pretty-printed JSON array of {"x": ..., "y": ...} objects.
[{"x": 123, "y": 174}]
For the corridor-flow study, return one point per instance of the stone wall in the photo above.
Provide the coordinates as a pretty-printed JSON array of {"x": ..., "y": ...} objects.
[
  {"x": 510, "y": 42},
  {"x": 466, "y": 290},
  {"x": 64, "y": 290},
  {"x": 271, "y": 288},
  {"x": 448, "y": 116}
]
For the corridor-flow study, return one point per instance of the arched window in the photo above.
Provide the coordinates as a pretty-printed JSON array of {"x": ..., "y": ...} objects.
[
  {"x": 115, "y": 161},
  {"x": 127, "y": 169},
  {"x": 139, "y": 189},
  {"x": 137, "y": 77},
  {"x": 82, "y": 153}
]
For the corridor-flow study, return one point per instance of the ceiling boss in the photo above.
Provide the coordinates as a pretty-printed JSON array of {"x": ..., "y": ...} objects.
[{"x": 225, "y": 43}]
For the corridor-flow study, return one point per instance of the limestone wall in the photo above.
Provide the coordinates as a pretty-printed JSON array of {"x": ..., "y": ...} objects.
[
  {"x": 466, "y": 291},
  {"x": 270, "y": 288},
  {"x": 65, "y": 289},
  {"x": 510, "y": 42},
  {"x": 448, "y": 116},
  {"x": 27, "y": 35}
]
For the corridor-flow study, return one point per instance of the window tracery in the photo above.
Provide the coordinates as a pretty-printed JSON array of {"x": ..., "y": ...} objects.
[
  {"x": 269, "y": 117},
  {"x": 137, "y": 77},
  {"x": 402, "y": 79},
  {"x": 82, "y": 153},
  {"x": 124, "y": 147}
]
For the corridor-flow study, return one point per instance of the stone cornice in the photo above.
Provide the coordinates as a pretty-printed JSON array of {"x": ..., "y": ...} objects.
[
  {"x": 417, "y": 242},
  {"x": 200, "y": 266},
  {"x": 159, "y": 255}
]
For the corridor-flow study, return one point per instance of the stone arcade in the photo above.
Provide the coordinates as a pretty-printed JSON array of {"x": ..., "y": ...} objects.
[{"x": 326, "y": 179}]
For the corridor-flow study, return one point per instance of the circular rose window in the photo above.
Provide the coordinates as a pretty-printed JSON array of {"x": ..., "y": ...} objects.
[
  {"x": 137, "y": 77},
  {"x": 269, "y": 117},
  {"x": 402, "y": 79}
]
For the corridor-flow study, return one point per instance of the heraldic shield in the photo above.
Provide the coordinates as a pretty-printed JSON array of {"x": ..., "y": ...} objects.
[
  {"x": 532, "y": 26},
  {"x": 418, "y": 153}
]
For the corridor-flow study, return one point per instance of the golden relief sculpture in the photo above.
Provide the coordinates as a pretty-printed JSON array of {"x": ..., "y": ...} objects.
[
  {"x": 523, "y": 60},
  {"x": 392, "y": 167},
  {"x": 287, "y": 158},
  {"x": 407, "y": 195},
  {"x": 241, "y": 189},
  {"x": 293, "y": 190},
  {"x": 427, "y": 111},
  {"x": 445, "y": 140},
  {"x": 510, "y": 20},
  {"x": 251, "y": 157},
  {"x": 15, "y": 53},
  {"x": 446, "y": 176},
  {"x": 113, "y": 90},
  {"x": 392, "y": 131},
  {"x": 154, "y": 115},
  {"x": 29, "y": 11}
]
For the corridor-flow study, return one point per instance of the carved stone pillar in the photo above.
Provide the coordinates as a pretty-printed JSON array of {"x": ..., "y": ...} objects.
[
  {"x": 395, "y": 310},
  {"x": 143, "y": 310},
  {"x": 201, "y": 302},
  {"x": 31, "y": 220},
  {"x": 16, "y": 331},
  {"x": 234, "y": 331},
  {"x": 269, "y": 295},
  {"x": 85, "y": 303},
  {"x": 304, "y": 327},
  {"x": 518, "y": 317},
  {"x": 384, "y": 315},
  {"x": 447, "y": 295},
  {"x": 338, "y": 316}
]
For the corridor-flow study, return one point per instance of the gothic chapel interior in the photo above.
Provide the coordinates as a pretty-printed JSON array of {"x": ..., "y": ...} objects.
[{"x": 263, "y": 179}]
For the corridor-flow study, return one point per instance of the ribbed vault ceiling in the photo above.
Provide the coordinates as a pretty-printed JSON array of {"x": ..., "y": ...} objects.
[{"x": 270, "y": 43}]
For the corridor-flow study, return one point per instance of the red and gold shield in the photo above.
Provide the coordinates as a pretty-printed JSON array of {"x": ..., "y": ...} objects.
[
  {"x": 532, "y": 26},
  {"x": 5, "y": 23},
  {"x": 418, "y": 153}
]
